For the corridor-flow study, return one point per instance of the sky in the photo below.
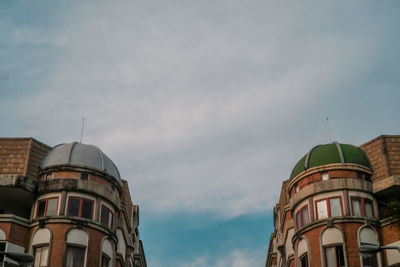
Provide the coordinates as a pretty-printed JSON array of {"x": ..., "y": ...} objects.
[{"x": 204, "y": 106}]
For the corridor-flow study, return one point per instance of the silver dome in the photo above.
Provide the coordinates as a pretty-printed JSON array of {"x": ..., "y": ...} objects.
[{"x": 80, "y": 155}]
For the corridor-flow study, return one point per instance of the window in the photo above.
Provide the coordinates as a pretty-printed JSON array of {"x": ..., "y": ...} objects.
[
  {"x": 105, "y": 260},
  {"x": 80, "y": 207},
  {"x": 325, "y": 176},
  {"x": 84, "y": 176},
  {"x": 2, "y": 249},
  {"x": 302, "y": 217},
  {"x": 41, "y": 256},
  {"x": 334, "y": 256},
  {"x": 48, "y": 176},
  {"x": 370, "y": 261},
  {"x": 47, "y": 207},
  {"x": 330, "y": 207},
  {"x": 362, "y": 207},
  {"x": 106, "y": 216},
  {"x": 297, "y": 188},
  {"x": 304, "y": 260},
  {"x": 75, "y": 256}
]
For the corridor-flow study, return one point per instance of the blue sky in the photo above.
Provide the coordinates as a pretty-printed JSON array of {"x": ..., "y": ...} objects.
[{"x": 205, "y": 106}]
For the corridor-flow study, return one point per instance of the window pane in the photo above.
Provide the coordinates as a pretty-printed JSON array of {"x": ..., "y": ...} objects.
[
  {"x": 104, "y": 215},
  {"x": 45, "y": 253},
  {"x": 73, "y": 207},
  {"x": 52, "y": 207},
  {"x": 339, "y": 256},
  {"x": 304, "y": 215},
  {"x": 304, "y": 261},
  {"x": 37, "y": 257},
  {"x": 356, "y": 204},
  {"x": 87, "y": 209},
  {"x": 298, "y": 218},
  {"x": 336, "y": 207},
  {"x": 330, "y": 257},
  {"x": 75, "y": 256},
  {"x": 322, "y": 209},
  {"x": 368, "y": 209},
  {"x": 41, "y": 208},
  {"x": 2, "y": 248}
]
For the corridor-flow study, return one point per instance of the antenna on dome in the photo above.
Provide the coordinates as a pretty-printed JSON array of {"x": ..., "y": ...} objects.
[
  {"x": 83, "y": 125},
  {"x": 329, "y": 129}
]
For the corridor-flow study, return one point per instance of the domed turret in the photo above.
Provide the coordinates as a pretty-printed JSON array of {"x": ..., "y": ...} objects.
[
  {"x": 330, "y": 154},
  {"x": 82, "y": 156}
]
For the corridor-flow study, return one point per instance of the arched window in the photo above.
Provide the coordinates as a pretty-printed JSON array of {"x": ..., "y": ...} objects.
[
  {"x": 367, "y": 236},
  {"x": 332, "y": 246},
  {"x": 41, "y": 247},
  {"x": 121, "y": 248},
  {"x": 302, "y": 253},
  {"x": 106, "y": 253},
  {"x": 77, "y": 242}
]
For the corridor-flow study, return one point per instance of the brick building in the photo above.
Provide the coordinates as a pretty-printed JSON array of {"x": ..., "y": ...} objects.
[
  {"x": 337, "y": 198},
  {"x": 66, "y": 206}
]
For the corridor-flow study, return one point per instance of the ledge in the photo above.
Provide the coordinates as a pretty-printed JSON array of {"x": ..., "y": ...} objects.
[
  {"x": 79, "y": 185},
  {"x": 15, "y": 180},
  {"x": 11, "y": 218},
  {"x": 329, "y": 185},
  {"x": 386, "y": 185}
]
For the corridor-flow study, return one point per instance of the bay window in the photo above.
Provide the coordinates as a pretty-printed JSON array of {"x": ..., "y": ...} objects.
[
  {"x": 362, "y": 207},
  {"x": 80, "y": 207},
  {"x": 334, "y": 256},
  {"x": 304, "y": 260},
  {"x": 106, "y": 217},
  {"x": 302, "y": 218},
  {"x": 47, "y": 207},
  {"x": 41, "y": 256},
  {"x": 329, "y": 207},
  {"x": 75, "y": 256}
]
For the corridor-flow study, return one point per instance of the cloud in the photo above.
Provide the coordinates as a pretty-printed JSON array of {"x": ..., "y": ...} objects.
[
  {"x": 235, "y": 258},
  {"x": 203, "y": 106}
]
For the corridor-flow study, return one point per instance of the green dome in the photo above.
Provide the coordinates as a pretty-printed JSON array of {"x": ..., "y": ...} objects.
[{"x": 328, "y": 154}]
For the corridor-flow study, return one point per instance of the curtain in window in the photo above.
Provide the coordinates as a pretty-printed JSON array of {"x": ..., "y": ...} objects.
[
  {"x": 368, "y": 209},
  {"x": 322, "y": 209},
  {"x": 75, "y": 256},
  {"x": 336, "y": 207},
  {"x": 356, "y": 204}
]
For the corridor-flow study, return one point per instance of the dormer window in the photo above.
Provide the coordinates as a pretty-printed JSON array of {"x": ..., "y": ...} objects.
[{"x": 84, "y": 176}]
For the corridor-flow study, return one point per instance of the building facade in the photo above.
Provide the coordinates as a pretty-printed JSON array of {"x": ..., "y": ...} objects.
[
  {"x": 337, "y": 198},
  {"x": 66, "y": 206}
]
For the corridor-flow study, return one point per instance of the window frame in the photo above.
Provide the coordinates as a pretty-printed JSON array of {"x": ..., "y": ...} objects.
[
  {"x": 3, "y": 256},
  {"x": 46, "y": 200},
  {"x": 48, "y": 254},
  {"x": 304, "y": 256},
  {"x": 328, "y": 206},
  {"x": 362, "y": 203},
  {"x": 300, "y": 213},
  {"x": 75, "y": 246},
  {"x": 109, "y": 224},
  {"x": 335, "y": 247},
  {"x": 81, "y": 199}
]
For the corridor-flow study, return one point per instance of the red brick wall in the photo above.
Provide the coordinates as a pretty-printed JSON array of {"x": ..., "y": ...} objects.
[{"x": 384, "y": 155}]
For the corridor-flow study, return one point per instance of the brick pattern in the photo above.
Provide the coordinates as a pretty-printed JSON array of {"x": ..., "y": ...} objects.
[
  {"x": 384, "y": 155},
  {"x": 21, "y": 156},
  {"x": 13, "y": 156},
  {"x": 37, "y": 153}
]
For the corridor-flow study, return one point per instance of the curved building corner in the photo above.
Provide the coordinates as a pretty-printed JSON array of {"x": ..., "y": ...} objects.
[
  {"x": 339, "y": 197},
  {"x": 66, "y": 206}
]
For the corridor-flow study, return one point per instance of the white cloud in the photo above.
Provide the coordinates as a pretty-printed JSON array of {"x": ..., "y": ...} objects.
[
  {"x": 198, "y": 104},
  {"x": 236, "y": 258}
]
